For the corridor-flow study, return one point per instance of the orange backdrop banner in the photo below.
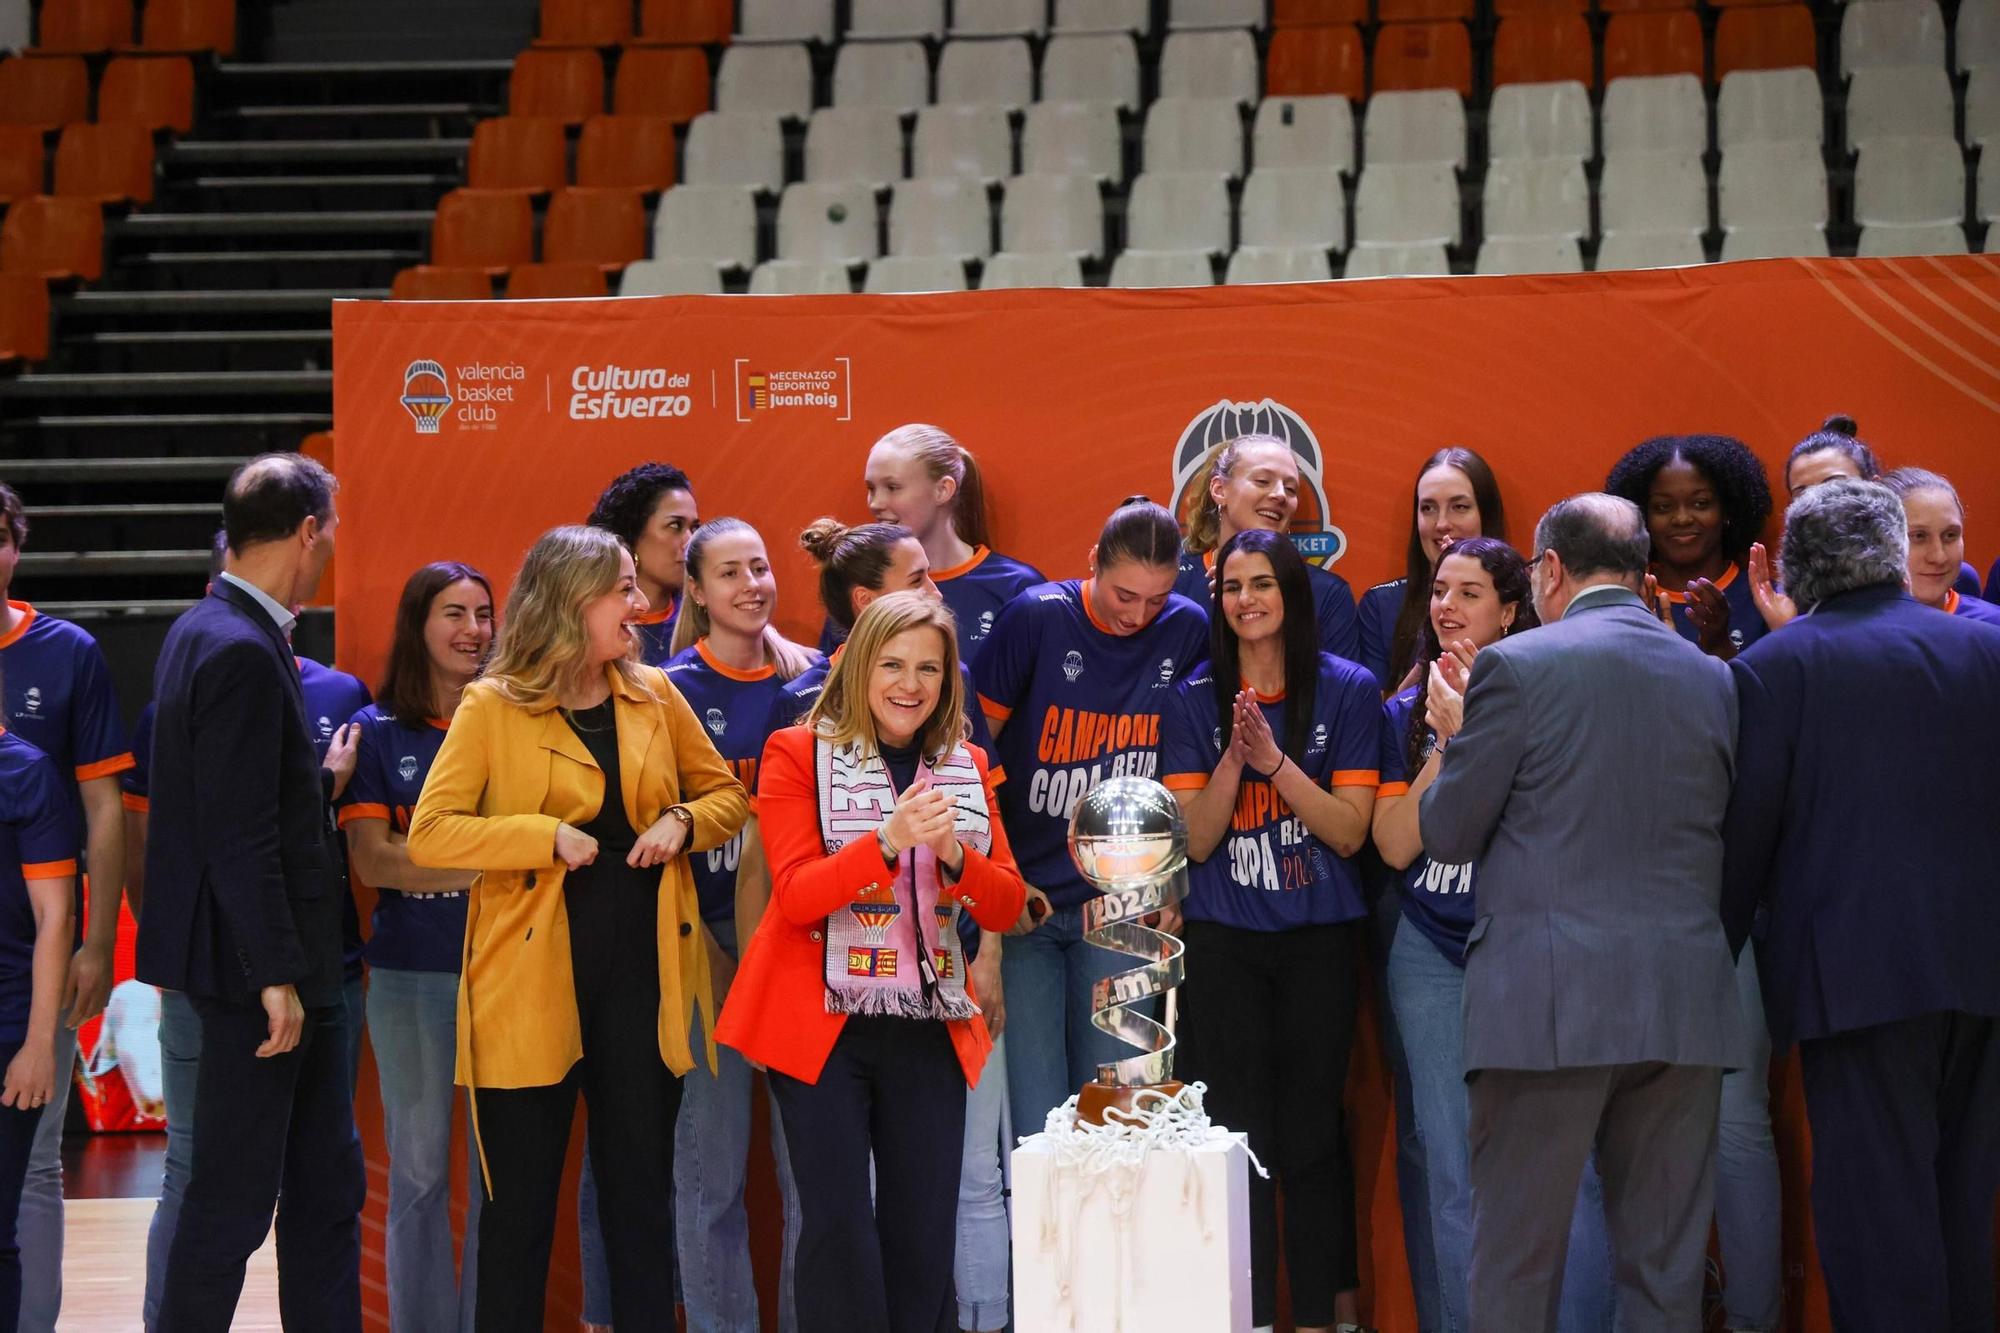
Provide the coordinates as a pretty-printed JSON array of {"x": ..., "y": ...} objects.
[{"x": 465, "y": 429}]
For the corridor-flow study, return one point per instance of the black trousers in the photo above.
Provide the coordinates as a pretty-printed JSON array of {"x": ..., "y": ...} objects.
[
  {"x": 1906, "y": 1164},
  {"x": 17, "y": 1136},
  {"x": 893, "y": 1089},
  {"x": 272, "y": 1133},
  {"x": 633, "y": 1100},
  {"x": 1267, "y": 1023}
]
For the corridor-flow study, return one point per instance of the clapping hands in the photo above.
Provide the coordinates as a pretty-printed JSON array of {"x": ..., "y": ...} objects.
[
  {"x": 1777, "y": 609},
  {"x": 924, "y": 817},
  {"x": 1444, "y": 694},
  {"x": 1250, "y": 737}
]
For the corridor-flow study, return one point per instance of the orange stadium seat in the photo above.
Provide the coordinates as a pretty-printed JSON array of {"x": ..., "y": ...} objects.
[
  {"x": 1630, "y": 6},
  {"x": 604, "y": 227},
  {"x": 24, "y": 317},
  {"x": 551, "y": 282},
  {"x": 23, "y": 163},
  {"x": 1317, "y": 13},
  {"x": 1309, "y": 62},
  {"x": 154, "y": 91},
  {"x": 44, "y": 91},
  {"x": 687, "y": 22},
  {"x": 70, "y": 26},
  {"x": 1745, "y": 4},
  {"x": 629, "y": 152},
  {"x": 1666, "y": 41},
  {"x": 1414, "y": 56},
  {"x": 318, "y": 446},
  {"x": 112, "y": 164},
  {"x": 1509, "y": 8},
  {"x": 489, "y": 229},
  {"x": 670, "y": 81},
  {"x": 1765, "y": 37},
  {"x": 190, "y": 25},
  {"x": 565, "y": 85},
  {"x": 586, "y": 22},
  {"x": 1543, "y": 48},
  {"x": 57, "y": 238},
  {"x": 427, "y": 282},
  {"x": 518, "y": 153},
  {"x": 1423, "y": 11}
]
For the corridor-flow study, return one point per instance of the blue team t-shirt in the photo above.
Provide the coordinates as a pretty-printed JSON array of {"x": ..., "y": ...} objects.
[
  {"x": 738, "y": 709},
  {"x": 1080, "y": 704},
  {"x": 656, "y": 633},
  {"x": 1437, "y": 899},
  {"x": 1972, "y": 608},
  {"x": 332, "y": 697},
  {"x": 1746, "y": 622},
  {"x": 409, "y": 932},
  {"x": 1380, "y": 606},
  {"x": 59, "y": 699},
  {"x": 1333, "y": 601},
  {"x": 1269, "y": 872},
  {"x": 136, "y": 782},
  {"x": 38, "y": 840},
  {"x": 977, "y": 590},
  {"x": 1993, "y": 583}
]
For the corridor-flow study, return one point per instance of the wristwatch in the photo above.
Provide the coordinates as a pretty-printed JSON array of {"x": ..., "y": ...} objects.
[{"x": 686, "y": 816}]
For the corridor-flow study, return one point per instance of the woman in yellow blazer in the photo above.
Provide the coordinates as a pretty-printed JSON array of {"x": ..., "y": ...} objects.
[{"x": 583, "y": 961}]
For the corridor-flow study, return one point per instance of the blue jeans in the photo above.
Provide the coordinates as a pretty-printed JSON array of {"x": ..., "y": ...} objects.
[
  {"x": 1053, "y": 1047},
  {"x": 711, "y": 1229},
  {"x": 1428, "y": 992},
  {"x": 1413, "y": 1190},
  {"x": 413, "y": 1024},
  {"x": 979, "y": 1267},
  {"x": 40, "y": 1223},
  {"x": 1748, "y": 1198},
  {"x": 180, "y": 1052}
]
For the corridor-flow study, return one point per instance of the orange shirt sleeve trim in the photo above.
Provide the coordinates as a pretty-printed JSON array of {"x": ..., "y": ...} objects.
[
  {"x": 138, "y": 805},
  {"x": 995, "y": 776},
  {"x": 104, "y": 768},
  {"x": 1355, "y": 777},
  {"x": 993, "y": 710},
  {"x": 362, "y": 810},
  {"x": 1388, "y": 789},
  {"x": 1184, "y": 781},
  {"x": 48, "y": 870}
]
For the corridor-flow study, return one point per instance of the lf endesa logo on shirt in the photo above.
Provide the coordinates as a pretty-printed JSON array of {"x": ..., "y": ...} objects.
[{"x": 1312, "y": 532}]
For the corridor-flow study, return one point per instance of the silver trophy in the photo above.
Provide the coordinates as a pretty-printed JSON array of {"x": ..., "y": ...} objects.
[{"x": 1129, "y": 841}]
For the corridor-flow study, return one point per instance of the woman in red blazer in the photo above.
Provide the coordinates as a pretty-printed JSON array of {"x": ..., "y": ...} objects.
[{"x": 880, "y": 827}]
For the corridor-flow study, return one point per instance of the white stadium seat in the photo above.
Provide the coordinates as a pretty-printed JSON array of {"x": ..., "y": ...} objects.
[
  {"x": 1073, "y": 138},
  {"x": 1091, "y": 67},
  {"x": 1909, "y": 181},
  {"x": 1135, "y": 16},
  {"x": 854, "y": 143},
  {"x": 1774, "y": 243},
  {"x": 1769, "y": 106},
  {"x": 978, "y": 71},
  {"x": 1540, "y": 120},
  {"x": 909, "y": 273},
  {"x": 949, "y": 218},
  {"x": 999, "y": 18},
  {"x": 1162, "y": 268},
  {"x": 1988, "y": 202},
  {"x": 1891, "y": 32},
  {"x": 1982, "y": 107},
  {"x": 828, "y": 222},
  {"x": 717, "y": 223},
  {"x": 896, "y": 75},
  {"x": 1183, "y": 134},
  {"x": 1304, "y": 132},
  {"x": 1009, "y": 271},
  {"x": 785, "y": 20},
  {"x": 1772, "y": 185},
  {"x": 1178, "y": 211},
  {"x": 1053, "y": 215},
  {"x": 670, "y": 277},
  {"x": 1402, "y": 205},
  {"x": 1210, "y": 64},
  {"x": 1530, "y": 254},
  {"x": 876, "y": 19},
  {"x": 975, "y": 142},
  {"x": 766, "y": 78},
  {"x": 1668, "y": 114},
  {"x": 735, "y": 148},
  {"x": 1215, "y": 13},
  {"x": 1884, "y": 240},
  {"x": 1899, "y": 102},
  {"x": 1537, "y": 197},
  {"x": 1641, "y": 192},
  {"x": 1265, "y": 263},
  {"x": 1976, "y": 35},
  {"x": 1402, "y": 128},
  {"x": 1649, "y": 249},
  {"x": 1423, "y": 259},
  {"x": 1294, "y": 208},
  {"x": 799, "y": 277}
]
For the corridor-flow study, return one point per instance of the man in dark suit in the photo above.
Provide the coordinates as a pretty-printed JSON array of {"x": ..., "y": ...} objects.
[
  {"x": 1589, "y": 781},
  {"x": 1862, "y": 843},
  {"x": 242, "y": 914}
]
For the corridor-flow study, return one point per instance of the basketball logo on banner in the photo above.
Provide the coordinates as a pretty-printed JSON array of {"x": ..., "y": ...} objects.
[
  {"x": 1313, "y": 532},
  {"x": 425, "y": 395}
]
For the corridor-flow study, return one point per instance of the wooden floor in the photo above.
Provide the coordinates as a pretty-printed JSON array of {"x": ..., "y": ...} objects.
[{"x": 104, "y": 1270}]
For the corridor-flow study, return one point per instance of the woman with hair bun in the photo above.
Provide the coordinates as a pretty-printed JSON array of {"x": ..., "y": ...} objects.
[{"x": 1836, "y": 449}]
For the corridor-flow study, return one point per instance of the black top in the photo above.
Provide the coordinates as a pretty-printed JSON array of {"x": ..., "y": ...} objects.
[
  {"x": 901, "y": 761},
  {"x": 597, "y": 728}
]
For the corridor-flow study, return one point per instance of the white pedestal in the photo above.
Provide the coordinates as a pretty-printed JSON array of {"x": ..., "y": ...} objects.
[{"x": 1175, "y": 1259}]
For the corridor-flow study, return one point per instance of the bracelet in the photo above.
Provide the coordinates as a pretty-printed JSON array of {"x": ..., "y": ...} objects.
[{"x": 888, "y": 849}]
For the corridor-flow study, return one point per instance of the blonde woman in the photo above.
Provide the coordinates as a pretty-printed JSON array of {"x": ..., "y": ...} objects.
[
  {"x": 574, "y": 779},
  {"x": 881, "y": 826}
]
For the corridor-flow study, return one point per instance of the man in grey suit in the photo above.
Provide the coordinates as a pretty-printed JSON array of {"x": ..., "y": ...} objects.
[{"x": 1589, "y": 780}]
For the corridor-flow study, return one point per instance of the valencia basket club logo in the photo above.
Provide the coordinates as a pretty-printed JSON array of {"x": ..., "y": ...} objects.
[
  {"x": 426, "y": 395},
  {"x": 1313, "y": 532}
]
